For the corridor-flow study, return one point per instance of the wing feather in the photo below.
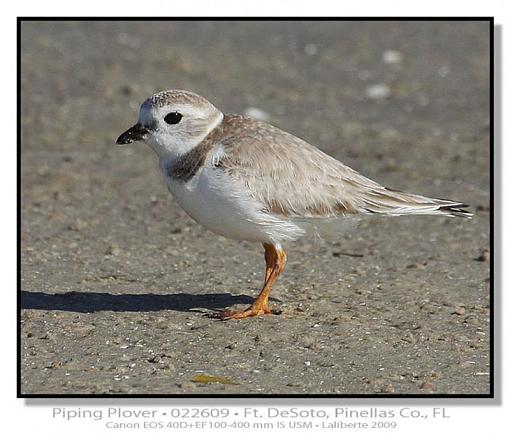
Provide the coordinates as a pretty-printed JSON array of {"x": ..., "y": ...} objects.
[{"x": 292, "y": 178}]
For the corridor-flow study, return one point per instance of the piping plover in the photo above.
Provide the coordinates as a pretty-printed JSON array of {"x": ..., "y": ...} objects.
[{"x": 248, "y": 180}]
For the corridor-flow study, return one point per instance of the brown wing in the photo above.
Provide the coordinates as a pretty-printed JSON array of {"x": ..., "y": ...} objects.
[{"x": 295, "y": 179}]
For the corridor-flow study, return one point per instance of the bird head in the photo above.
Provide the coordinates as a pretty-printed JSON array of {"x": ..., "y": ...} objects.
[{"x": 173, "y": 122}]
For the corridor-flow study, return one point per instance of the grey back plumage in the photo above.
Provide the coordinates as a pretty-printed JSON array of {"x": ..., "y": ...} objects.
[{"x": 295, "y": 179}]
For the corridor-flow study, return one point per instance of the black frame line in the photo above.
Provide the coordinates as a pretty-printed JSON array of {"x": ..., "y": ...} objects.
[
  {"x": 255, "y": 18},
  {"x": 19, "y": 394}
]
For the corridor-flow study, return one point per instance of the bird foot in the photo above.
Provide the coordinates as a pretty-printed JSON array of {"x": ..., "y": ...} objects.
[{"x": 249, "y": 312}]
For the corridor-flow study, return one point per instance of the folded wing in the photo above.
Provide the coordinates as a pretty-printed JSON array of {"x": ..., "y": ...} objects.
[{"x": 292, "y": 178}]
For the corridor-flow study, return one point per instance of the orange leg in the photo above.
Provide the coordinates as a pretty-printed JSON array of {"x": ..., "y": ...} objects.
[{"x": 275, "y": 263}]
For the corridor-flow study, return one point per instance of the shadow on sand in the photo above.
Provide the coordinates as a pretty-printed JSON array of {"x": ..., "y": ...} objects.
[{"x": 89, "y": 302}]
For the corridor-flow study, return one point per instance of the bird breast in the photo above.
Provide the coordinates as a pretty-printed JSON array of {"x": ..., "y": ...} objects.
[{"x": 225, "y": 206}]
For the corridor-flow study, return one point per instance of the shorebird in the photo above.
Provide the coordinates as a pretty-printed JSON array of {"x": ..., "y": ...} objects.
[{"x": 248, "y": 180}]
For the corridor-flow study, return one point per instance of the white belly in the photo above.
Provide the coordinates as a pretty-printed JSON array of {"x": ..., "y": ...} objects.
[{"x": 224, "y": 206}]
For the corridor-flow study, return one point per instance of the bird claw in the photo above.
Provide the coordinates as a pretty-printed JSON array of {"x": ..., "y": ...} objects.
[{"x": 249, "y": 312}]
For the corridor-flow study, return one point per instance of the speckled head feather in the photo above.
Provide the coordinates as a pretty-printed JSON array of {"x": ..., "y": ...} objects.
[
  {"x": 178, "y": 97},
  {"x": 196, "y": 118}
]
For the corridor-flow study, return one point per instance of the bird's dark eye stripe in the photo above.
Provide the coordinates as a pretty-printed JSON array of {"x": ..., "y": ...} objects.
[{"x": 173, "y": 117}]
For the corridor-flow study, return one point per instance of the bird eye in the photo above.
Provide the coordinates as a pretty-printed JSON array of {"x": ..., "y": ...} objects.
[{"x": 173, "y": 117}]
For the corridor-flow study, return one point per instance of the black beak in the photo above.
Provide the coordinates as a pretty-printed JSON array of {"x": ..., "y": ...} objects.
[{"x": 135, "y": 133}]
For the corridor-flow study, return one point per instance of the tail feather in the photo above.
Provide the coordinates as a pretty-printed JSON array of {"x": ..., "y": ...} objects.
[
  {"x": 387, "y": 201},
  {"x": 456, "y": 210}
]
